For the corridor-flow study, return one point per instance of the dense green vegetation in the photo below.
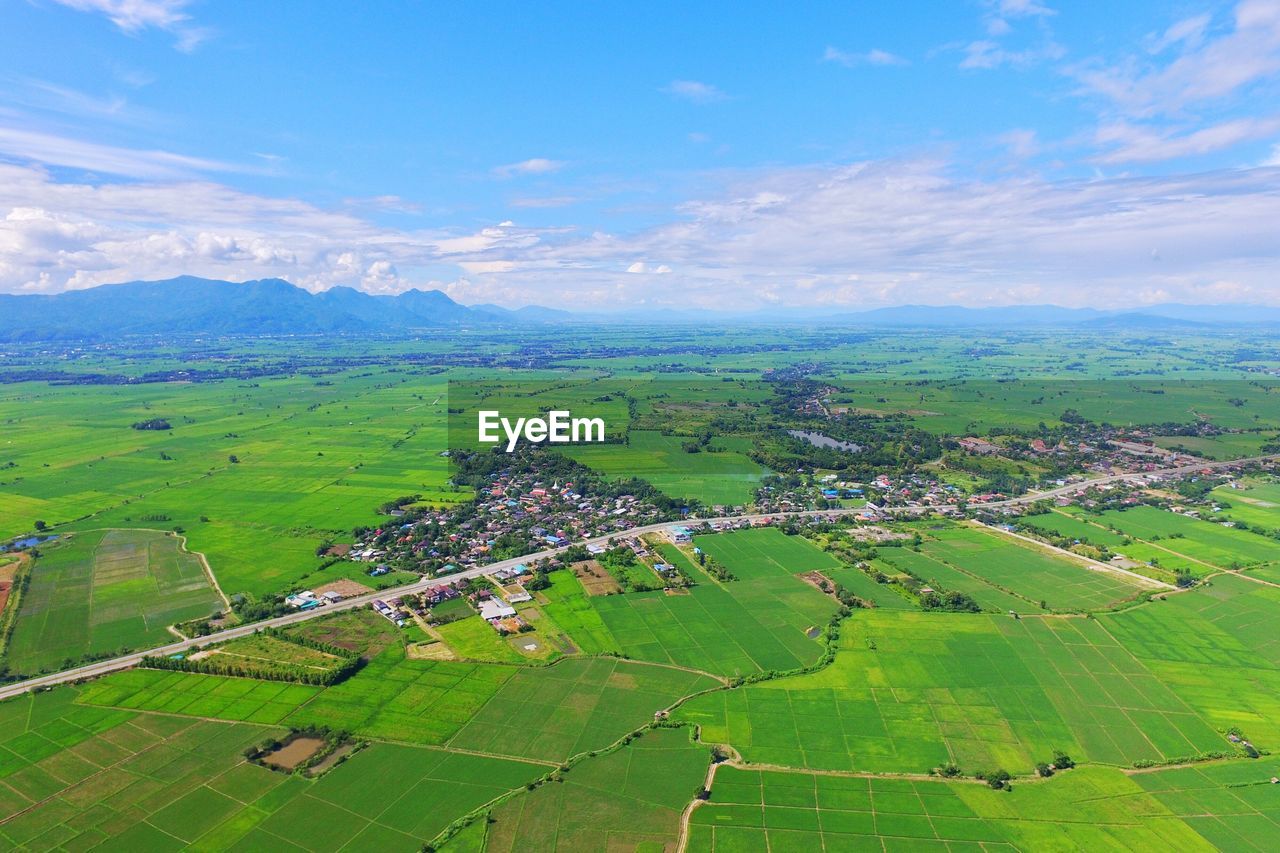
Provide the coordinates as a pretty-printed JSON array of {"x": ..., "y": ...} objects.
[{"x": 809, "y": 665}]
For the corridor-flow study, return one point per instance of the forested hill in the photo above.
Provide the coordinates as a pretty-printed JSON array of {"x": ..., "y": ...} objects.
[{"x": 271, "y": 306}]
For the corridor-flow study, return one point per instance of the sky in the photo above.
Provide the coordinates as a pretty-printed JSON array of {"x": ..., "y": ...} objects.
[{"x": 615, "y": 156}]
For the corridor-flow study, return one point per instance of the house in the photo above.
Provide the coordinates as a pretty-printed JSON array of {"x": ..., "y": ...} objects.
[
  {"x": 495, "y": 609},
  {"x": 332, "y": 596},
  {"x": 679, "y": 535}
]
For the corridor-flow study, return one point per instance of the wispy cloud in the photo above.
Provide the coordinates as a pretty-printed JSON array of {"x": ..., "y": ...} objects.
[
  {"x": 135, "y": 16},
  {"x": 875, "y": 56},
  {"x": 695, "y": 91},
  {"x": 1129, "y": 143},
  {"x": 1205, "y": 70},
  {"x": 55, "y": 150},
  {"x": 532, "y": 166},
  {"x": 864, "y": 234}
]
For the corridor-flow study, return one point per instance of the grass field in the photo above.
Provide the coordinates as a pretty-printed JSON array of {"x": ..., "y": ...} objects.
[
  {"x": 1212, "y": 545},
  {"x": 118, "y": 781},
  {"x": 568, "y": 604},
  {"x": 106, "y": 590},
  {"x": 723, "y": 477},
  {"x": 755, "y": 623},
  {"x": 573, "y": 706},
  {"x": 627, "y": 800},
  {"x": 1024, "y": 570},
  {"x": 912, "y": 691},
  {"x": 265, "y": 656},
  {"x": 1256, "y": 503},
  {"x": 1082, "y": 809},
  {"x": 214, "y": 696}
]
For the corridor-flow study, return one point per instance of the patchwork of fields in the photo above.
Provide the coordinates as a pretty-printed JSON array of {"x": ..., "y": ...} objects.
[
  {"x": 1002, "y": 573},
  {"x": 1083, "y": 809},
  {"x": 756, "y": 623},
  {"x": 107, "y": 590}
]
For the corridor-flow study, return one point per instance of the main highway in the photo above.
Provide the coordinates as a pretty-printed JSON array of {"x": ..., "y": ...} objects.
[{"x": 93, "y": 670}]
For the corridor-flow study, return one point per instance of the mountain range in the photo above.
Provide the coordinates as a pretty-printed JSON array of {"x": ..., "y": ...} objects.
[{"x": 190, "y": 305}]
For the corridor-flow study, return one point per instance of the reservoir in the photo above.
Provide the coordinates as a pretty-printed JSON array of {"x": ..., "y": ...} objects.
[{"x": 817, "y": 439}]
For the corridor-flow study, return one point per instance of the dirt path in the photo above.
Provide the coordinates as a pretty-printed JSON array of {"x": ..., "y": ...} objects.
[{"x": 1090, "y": 564}]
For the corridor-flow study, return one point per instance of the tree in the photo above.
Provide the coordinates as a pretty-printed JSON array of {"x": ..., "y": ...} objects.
[
  {"x": 40, "y": 525},
  {"x": 233, "y": 459}
]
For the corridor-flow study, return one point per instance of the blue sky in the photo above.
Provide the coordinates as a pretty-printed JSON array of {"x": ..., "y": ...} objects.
[{"x": 607, "y": 156}]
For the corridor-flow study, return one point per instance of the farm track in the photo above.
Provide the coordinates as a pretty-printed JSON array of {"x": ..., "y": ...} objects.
[{"x": 99, "y": 668}]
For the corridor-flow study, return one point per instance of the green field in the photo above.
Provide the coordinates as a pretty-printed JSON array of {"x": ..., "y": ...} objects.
[
  {"x": 117, "y": 781},
  {"x": 1256, "y": 503},
  {"x": 1211, "y": 545},
  {"x": 1082, "y": 809},
  {"x": 912, "y": 691},
  {"x": 625, "y": 800},
  {"x": 752, "y": 624},
  {"x": 570, "y": 606},
  {"x": 214, "y": 696},
  {"x": 573, "y": 706},
  {"x": 1025, "y": 570},
  {"x": 725, "y": 476},
  {"x": 103, "y": 591}
]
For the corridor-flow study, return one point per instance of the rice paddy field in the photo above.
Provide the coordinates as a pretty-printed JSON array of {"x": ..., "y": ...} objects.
[
  {"x": 1256, "y": 502},
  {"x": 720, "y": 475},
  {"x": 105, "y": 590},
  {"x": 1003, "y": 573},
  {"x": 1081, "y": 809},
  {"x": 629, "y": 799},
  {"x": 112, "y": 780},
  {"x": 568, "y": 604},
  {"x": 912, "y": 691},
  {"x": 1209, "y": 544},
  {"x": 756, "y": 623}
]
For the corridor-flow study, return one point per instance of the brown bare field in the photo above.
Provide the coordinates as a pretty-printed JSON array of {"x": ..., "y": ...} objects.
[
  {"x": 294, "y": 752},
  {"x": 595, "y": 580},
  {"x": 345, "y": 587}
]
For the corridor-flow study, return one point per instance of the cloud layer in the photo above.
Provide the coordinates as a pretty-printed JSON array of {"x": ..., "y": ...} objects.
[{"x": 865, "y": 234}]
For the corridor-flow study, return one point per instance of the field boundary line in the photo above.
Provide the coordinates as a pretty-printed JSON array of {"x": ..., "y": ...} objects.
[{"x": 1090, "y": 564}]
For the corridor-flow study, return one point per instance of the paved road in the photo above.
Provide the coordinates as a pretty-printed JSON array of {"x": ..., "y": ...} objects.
[{"x": 124, "y": 662}]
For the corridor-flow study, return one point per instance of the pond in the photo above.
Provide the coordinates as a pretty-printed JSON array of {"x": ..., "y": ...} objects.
[
  {"x": 29, "y": 542},
  {"x": 817, "y": 439}
]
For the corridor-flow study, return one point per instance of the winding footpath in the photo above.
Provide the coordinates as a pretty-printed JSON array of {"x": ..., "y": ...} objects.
[{"x": 98, "y": 668}]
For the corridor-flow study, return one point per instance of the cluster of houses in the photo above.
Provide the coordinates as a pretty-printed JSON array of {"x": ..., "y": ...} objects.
[
  {"x": 308, "y": 600},
  {"x": 523, "y": 510}
]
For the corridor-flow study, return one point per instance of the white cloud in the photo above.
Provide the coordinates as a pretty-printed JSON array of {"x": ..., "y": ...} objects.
[
  {"x": 1022, "y": 142},
  {"x": 1206, "y": 71},
  {"x": 859, "y": 235},
  {"x": 987, "y": 54},
  {"x": 532, "y": 166},
  {"x": 875, "y": 56},
  {"x": 1128, "y": 143},
  {"x": 695, "y": 91},
  {"x": 95, "y": 157},
  {"x": 1022, "y": 9},
  {"x": 134, "y": 16},
  {"x": 1188, "y": 32}
]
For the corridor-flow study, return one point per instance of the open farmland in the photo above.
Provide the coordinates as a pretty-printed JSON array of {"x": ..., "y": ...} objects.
[
  {"x": 756, "y": 623},
  {"x": 1027, "y": 571},
  {"x": 719, "y": 475},
  {"x": 1211, "y": 545},
  {"x": 1256, "y": 502},
  {"x": 192, "y": 694},
  {"x": 627, "y": 799},
  {"x": 313, "y": 459},
  {"x": 568, "y": 604},
  {"x": 106, "y": 590},
  {"x": 161, "y": 782},
  {"x": 573, "y": 706},
  {"x": 911, "y": 691},
  {"x": 1082, "y": 809}
]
